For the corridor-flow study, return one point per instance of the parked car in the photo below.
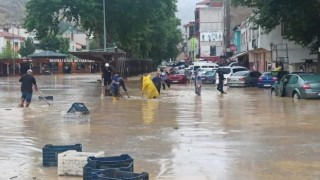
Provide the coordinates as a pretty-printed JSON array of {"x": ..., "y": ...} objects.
[
  {"x": 178, "y": 77},
  {"x": 209, "y": 77},
  {"x": 244, "y": 79},
  {"x": 300, "y": 85},
  {"x": 227, "y": 71},
  {"x": 267, "y": 79}
]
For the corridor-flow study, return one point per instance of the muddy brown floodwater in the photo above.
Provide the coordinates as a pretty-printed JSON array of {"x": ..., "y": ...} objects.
[{"x": 245, "y": 134}]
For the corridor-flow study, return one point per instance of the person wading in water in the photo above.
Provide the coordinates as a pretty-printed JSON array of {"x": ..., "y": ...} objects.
[{"x": 27, "y": 82}]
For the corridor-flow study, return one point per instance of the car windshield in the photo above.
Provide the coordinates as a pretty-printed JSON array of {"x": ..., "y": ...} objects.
[
  {"x": 241, "y": 73},
  {"x": 314, "y": 78},
  {"x": 225, "y": 70},
  {"x": 209, "y": 73},
  {"x": 195, "y": 68},
  {"x": 178, "y": 71},
  {"x": 271, "y": 73},
  {"x": 267, "y": 74},
  {"x": 239, "y": 69}
]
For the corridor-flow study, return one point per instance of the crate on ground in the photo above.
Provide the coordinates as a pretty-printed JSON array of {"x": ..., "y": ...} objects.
[
  {"x": 71, "y": 163},
  {"x": 50, "y": 153},
  {"x": 123, "y": 162},
  {"x": 78, "y": 107},
  {"x": 115, "y": 174}
]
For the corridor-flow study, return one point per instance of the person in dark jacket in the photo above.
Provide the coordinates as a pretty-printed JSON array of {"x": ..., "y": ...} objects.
[
  {"x": 107, "y": 75},
  {"x": 27, "y": 82},
  {"x": 221, "y": 79},
  {"x": 157, "y": 81}
]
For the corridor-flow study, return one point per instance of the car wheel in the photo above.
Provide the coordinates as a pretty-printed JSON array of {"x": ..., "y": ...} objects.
[{"x": 296, "y": 95}]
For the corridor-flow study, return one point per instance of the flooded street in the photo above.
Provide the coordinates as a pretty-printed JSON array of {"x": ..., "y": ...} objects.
[{"x": 245, "y": 134}]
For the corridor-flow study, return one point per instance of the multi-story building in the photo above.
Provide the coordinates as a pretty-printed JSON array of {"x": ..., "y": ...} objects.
[
  {"x": 14, "y": 40},
  {"x": 267, "y": 51},
  {"x": 190, "y": 48},
  {"x": 78, "y": 40},
  {"x": 209, "y": 29}
]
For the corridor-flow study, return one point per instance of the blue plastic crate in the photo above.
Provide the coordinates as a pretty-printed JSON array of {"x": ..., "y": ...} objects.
[
  {"x": 50, "y": 153},
  {"x": 115, "y": 174},
  {"x": 123, "y": 162},
  {"x": 78, "y": 107}
]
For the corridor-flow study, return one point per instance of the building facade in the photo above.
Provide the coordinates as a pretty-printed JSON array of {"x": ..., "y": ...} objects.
[
  {"x": 268, "y": 51},
  {"x": 209, "y": 28}
]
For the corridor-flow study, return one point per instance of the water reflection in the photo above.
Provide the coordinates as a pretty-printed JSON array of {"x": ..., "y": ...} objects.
[{"x": 149, "y": 110}]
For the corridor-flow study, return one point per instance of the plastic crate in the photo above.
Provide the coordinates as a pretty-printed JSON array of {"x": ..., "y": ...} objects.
[
  {"x": 78, "y": 107},
  {"x": 123, "y": 162},
  {"x": 71, "y": 162},
  {"x": 115, "y": 174},
  {"x": 50, "y": 153}
]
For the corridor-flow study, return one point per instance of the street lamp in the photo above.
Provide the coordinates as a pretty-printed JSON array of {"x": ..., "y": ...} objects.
[{"x": 104, "y": 27}]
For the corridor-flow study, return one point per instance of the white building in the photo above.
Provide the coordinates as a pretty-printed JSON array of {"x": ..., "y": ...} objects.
[
  {"x": 78, "y": 40},
  {"x": 209, "y": 28},
  {"x": 266, "y": 51}
]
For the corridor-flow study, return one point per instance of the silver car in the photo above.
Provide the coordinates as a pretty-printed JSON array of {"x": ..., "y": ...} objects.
[{"x": 244, "y": 79}]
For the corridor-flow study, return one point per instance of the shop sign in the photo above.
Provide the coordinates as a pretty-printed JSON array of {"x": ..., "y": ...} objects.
[{"x": 71, "y": 61}]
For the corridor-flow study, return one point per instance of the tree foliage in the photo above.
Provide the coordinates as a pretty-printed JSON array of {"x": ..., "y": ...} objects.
[
  {"x": 27, "y": 47},
  {"x": 143, "y": 28},
  {"x": 8, "y": 52},
  {"x": 53, "y": 43},
  {"x": 300, "y": 17}
]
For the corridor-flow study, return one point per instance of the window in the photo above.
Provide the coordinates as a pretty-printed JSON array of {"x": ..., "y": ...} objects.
[
  {"x": 53, "y": 67},
  {"x": 293, "y": 80},
  {"x": 255, "y": 74},
  {"x": 80, "y": 66},
  {"x": 241, "y": 73},
  {"x": 239, "y": 69},
  {"x": 213, "y": 51}
]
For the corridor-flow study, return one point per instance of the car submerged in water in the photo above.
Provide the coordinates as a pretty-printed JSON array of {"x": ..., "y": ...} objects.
[
  {"x": 178, "y": 77},
  {"x": 299, "y": 85},
  {"x": 267, "y": 79},
  {"x": 244, "y": 79},
  {"x": 208, "y": 77}
]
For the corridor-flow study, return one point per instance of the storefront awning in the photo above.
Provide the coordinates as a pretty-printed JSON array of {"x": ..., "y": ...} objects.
[
  {"x": 239, "y": 54},
  {"x": 47, "y": 54}
]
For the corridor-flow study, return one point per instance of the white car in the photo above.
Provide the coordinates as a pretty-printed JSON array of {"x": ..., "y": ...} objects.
[{"x": 228, "y": 71}]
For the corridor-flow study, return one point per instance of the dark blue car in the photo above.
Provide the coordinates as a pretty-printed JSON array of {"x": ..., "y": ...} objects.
[{"x": 267, "y": 79}]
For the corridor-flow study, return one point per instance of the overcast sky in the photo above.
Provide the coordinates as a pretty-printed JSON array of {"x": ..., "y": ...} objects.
[{"x": 186, "y": 10}]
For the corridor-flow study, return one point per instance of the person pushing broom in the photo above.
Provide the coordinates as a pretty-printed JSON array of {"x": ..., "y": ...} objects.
[{"x": 27, "y": 82}]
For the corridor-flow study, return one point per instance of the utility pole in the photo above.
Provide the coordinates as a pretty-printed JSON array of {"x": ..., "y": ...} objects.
[
  {"x": 104, "y": 27},
  {"x": 227, "y": 25},
  {"x": 13, "y": 53}
]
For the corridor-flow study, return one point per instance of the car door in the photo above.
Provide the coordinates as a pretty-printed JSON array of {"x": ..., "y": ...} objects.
[
  {"x": 254, "y": 77},
  {"x": 281, "y": 85},
  {"x": 291, "y": 85}
]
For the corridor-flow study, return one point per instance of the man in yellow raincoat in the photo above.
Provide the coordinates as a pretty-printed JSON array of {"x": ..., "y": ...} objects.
[{"x": 148, "y": 87}]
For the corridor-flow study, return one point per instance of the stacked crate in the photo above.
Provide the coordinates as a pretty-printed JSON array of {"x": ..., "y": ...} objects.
[
  {"x": 71, "y": 163},
  {"x": 123, "y": 162},
  {"x": 50, "y": 153}
]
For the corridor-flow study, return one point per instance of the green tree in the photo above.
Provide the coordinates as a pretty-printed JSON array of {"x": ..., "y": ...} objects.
[
  {"x": 54, "y": 43},
  {"x": 133, "y": 25},
  {"x": 301, "y": 19},
  {"x": 27, "y": 47},
  {"x": 8, "y": 53}
]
